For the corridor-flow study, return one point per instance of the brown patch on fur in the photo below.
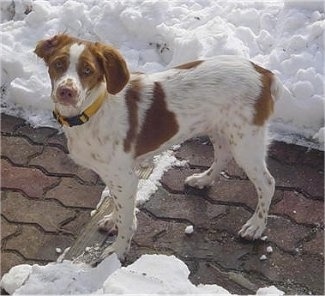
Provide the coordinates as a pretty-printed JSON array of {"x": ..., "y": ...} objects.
[
  {"x": 132, "y": 97},
  {"x": 159, "y": 125},
  {"x": 189, "y": 65},
  {"x": 264, "y": 104},
  {"x": 46, "y": 49},
  {"x": 114, "y": 66}
]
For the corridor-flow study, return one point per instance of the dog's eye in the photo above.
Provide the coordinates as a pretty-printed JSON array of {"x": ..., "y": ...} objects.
[
  {"x": 86, "y": 70},
  {"x": 59, "y": 65}
]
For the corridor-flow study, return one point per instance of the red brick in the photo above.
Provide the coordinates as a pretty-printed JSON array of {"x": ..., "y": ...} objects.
[
  {"x": 40, "y": 246},
  {"x": 7, "y": 229},
  {"x": 55, "y": 161},
  {"x": 316, "y": 245},
  {"x": 173, "y": 180},
  {"x": 236, "y": 191},
  {"x": 48, "y": 214},
  {"x": 36, "y": 135},
  {"x": 79, "y": 222},
  {"x": 196, "y": 153},
  {"x": 59, "y": 140},
  {"x": 30, "y": 180},
  {"x": 73, "y": 194},
  {"x": 301, "y": 209},
  {"x": 200, "y": 154},
  {"x": 8, "y": 260},
  {"x": 186, "y": 207},
  {"x": 305, "y": 178},
  {"x": 285, "y": 234},
  {"x": 292, "y": 271},
  {"x": 18, "y": 149},
  {"x": 10, "y": 123}
]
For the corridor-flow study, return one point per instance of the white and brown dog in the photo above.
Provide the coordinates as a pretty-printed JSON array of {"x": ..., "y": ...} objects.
[{"x": 114, "y": 120}]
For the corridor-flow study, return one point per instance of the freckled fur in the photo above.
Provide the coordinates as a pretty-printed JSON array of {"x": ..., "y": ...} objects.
[{"x": 227, "y": 98}]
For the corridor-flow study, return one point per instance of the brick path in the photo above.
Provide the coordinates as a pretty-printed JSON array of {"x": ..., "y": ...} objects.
[{"x": 46, "y": 200}]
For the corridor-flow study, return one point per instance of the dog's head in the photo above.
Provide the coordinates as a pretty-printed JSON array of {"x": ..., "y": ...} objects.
[{"x": 78, "y": 69}]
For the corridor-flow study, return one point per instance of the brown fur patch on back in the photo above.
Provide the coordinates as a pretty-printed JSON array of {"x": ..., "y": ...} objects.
[
  {"x": 159, "y": 125},
  {"x": 189, "y": 65},
  {"x": 132, "y": 98},
  {"x": 264, "y": 104}
]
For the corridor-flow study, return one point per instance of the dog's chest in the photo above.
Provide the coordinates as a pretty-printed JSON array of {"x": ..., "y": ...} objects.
[{"x": 91, "y": 149}]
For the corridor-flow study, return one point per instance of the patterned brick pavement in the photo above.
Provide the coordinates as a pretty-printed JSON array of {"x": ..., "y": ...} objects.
[{"x": 46, "y": 200}]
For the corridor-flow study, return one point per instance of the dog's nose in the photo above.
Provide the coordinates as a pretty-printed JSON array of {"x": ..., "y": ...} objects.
[{"x": 66, "y": 93}]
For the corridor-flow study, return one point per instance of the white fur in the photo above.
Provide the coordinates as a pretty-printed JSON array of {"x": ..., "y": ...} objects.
[{"x": 215, "y": 98}]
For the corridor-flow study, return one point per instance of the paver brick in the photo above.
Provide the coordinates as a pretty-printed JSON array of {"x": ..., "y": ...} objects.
[
  {"x": 42, "y": 135},
  {"x": 308, "y": 179},
  {"x": 192, "y": 208},
  {"x": 59, "y": 140},
  {"x": 32, "y": 181},
  {"x": 231, "y": 223},
  {"x": 168, "y": 235},
  {"x": 74, "y": 194},
  {"x": 301, "y": 209},
  {"x": 55, "y": 161},
  {"x": 290, "y": 270},
  {"x": 10, "y": 123},
  {"x": 199, "y": 153},
  {"x": 10, "y": 259},
  {"x": 315, "y": 245},
  {"x": 284, "y": 233},
  {"x": 173, "y": 180},
  {"x": 7, "y": 229},
  {"x": 79, "y": 222},
  {"x": 18, "y": 149},
  {"x": 48, "y": 214},
  {"x": 209, "y": 274},
  {"x": 236, "y": 191},
  {"x": 42, "y": 245},
  {"x": 286, "y": 153}
]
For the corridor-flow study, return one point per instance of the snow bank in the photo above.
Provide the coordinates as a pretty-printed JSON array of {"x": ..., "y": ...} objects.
[
  {"x": 150, "y": 274},
  {"x": 284, "y": 36},
  {"x": 59, "y": 278}
]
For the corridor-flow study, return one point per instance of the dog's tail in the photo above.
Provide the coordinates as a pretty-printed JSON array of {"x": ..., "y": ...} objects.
[{"x": 278, "y": 90}]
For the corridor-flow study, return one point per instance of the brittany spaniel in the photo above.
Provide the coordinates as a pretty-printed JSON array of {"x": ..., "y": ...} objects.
[{"x": 114, "y": 119}]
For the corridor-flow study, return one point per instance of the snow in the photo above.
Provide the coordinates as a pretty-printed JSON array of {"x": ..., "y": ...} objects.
[
  {"x": 162, "y": 162},
  {"x": 189, "y": 229},
  {"x": 272, "y": 290},
  {"x": 15, "y": 278},
  {"x": 284, "y": 36},
  {"x": 60, "y": 278},
  {"x": 269, "y": 249},
  {"x": 263, "y": 257},
  {"x": 149, "y": 275}
]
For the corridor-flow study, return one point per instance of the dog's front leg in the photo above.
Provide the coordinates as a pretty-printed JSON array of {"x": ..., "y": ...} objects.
[{"x": 123, "y": 190}]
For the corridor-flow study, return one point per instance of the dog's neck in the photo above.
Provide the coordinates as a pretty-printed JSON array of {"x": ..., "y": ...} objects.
[{"x": 84, "y": 116}]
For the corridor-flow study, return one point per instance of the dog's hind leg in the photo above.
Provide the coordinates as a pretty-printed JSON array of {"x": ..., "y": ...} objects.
[
  {"x": 249, "y": 152},
  {"x": 222, "y": 156}
]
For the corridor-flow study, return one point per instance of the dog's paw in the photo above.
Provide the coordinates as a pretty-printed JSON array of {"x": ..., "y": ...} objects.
[
  {"x": 253, "y": 229},
  {"x": 199, "y": 180},
  {"x": 107, "y": 224},
  {"x": 113, "y": 248}
]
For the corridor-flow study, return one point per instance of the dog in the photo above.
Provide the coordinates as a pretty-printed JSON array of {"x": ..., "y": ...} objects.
[{"x": 114, "y": 120}]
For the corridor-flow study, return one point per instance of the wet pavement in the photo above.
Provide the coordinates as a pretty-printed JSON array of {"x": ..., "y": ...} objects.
[{"x": 46, "y": 201}]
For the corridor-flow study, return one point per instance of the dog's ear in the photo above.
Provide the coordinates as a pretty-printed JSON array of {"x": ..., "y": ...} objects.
[
  {"x": 114, "y": 66},
  {"x": 45, "y": 48}
]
